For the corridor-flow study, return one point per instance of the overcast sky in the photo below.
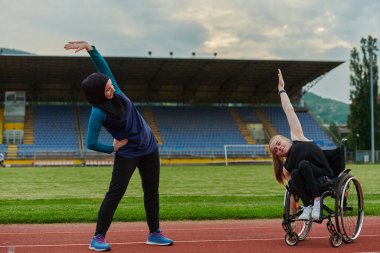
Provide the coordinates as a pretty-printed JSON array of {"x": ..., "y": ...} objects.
[{"x": 235, "y": 29}]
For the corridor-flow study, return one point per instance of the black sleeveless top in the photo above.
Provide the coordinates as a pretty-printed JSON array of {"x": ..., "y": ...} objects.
[{"x": 306, "y": 150}]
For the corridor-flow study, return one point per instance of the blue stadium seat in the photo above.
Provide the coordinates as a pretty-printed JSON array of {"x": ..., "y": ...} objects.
[
  {"x": 196, "y": 130},
  {"x": 55, "y": 130},
  {"x": 186, "y": 131}
]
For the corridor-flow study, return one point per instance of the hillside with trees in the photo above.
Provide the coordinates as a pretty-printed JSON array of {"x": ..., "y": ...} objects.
[
  {"x": 327, "y": 110},
  {"x": 9, "y": 51}
]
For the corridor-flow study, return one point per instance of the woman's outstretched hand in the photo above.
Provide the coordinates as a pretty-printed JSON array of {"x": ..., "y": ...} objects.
[
  {"x": 78, "y": 45},
  {"x": 281, "y": 83}
]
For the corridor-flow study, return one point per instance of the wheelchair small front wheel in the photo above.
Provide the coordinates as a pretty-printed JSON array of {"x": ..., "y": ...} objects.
[
  {"x": 291, "y": 239},
  {"x": 336, "y": 239}
]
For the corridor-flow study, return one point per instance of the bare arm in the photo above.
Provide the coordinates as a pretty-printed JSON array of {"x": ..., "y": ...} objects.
[
  {"x": 287, "y": 175},
  {"x": 296, "y": 132}
]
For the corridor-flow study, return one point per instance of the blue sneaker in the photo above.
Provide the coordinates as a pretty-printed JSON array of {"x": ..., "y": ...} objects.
[
  {"x": 157, "y": 238},
  {"x": 99, "y": 244}
]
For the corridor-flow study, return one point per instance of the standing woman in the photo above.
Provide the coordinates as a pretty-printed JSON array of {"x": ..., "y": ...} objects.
[
  {"x": 298, "y": 159},
  {"x": 134, "y": 146}
]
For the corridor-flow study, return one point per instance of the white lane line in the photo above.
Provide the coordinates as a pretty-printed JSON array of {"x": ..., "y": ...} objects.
[
  {"x": 131, "y": 243},
  {"x": 145, "y": 230},
  {"x": 176, "y": 242},
  {"x": 142, "y": 230}
]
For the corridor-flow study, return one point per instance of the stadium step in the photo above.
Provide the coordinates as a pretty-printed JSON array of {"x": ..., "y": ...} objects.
[
  {"x": 266, "y": 123},
  {"x": 29, "y": 126},
  {"x": 148, "y": 113},
  {"x": 242, "y": 127},
  {"x": 12, "y": 151}
]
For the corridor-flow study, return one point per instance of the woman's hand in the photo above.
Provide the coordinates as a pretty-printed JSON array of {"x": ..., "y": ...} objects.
[
  {"x": 78, "y": 45},
  {"x": 119, "y": 143},
  {"x": 281, "y": 83}
]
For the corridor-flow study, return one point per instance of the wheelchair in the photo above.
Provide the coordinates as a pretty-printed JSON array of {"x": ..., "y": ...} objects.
[{"x": 342, "y": 205}]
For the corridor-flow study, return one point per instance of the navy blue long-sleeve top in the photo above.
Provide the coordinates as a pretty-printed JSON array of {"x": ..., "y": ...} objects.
[{"x": 133, "y": 127}]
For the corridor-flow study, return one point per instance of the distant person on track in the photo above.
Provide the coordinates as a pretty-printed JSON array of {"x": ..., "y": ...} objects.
[
  {"x": 298, "y": 159},
  {"x": 2, "y": 160},
  {"x": 134, "y": 146}
]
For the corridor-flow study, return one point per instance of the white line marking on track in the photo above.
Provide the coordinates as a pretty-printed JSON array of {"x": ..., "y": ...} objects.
[
  {"x": 138, "y": 230},
  {"x": 176, "y": 242},
  {"x": 11, "y": 249},
  {"x": 145, "y": 230}
]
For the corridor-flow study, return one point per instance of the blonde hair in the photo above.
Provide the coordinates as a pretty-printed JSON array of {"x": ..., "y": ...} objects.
[{"x": 278, "y": 162}]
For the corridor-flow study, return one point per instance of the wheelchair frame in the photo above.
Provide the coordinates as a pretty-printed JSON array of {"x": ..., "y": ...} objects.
[{"x": 338, "y": 189}]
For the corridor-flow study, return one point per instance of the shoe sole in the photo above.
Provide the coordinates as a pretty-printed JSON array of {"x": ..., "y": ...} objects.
[
  {"x": 159, "y": 244},
  {"x": 99, "y": 250}
]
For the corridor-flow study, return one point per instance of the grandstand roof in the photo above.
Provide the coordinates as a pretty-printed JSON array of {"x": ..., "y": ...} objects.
[{"x": 145, "y": 79}]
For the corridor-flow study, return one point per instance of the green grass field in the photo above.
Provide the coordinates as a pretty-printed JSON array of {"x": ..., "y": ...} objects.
[{"x": 74, "y": 194}]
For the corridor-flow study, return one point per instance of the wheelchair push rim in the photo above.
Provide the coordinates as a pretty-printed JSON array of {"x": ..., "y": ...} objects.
[
  {"x": 301, "y": 228},
  {"x": 350, "y": 208}
]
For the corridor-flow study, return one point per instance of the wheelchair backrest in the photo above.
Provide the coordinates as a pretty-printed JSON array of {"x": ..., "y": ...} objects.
[{"x": 336, "y": 160}]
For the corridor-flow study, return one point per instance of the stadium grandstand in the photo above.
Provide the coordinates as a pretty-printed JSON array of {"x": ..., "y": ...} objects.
[{"x": 200, "y": 110}]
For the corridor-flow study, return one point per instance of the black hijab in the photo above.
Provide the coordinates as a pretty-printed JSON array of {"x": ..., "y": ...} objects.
[{"x": 93, "y": 87}]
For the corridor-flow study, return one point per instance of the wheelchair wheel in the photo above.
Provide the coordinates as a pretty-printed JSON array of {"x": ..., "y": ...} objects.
[
  {"x": 336, "y": 240},
  {"x": 291, "y": 239},
  {"x": 300, "y": 227},
  {"x": 349, "y": 208},
  {"x": 346, "y": 239}
]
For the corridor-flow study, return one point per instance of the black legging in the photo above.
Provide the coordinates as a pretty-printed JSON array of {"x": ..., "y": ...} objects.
[
  {"x": 304, "y": 181},
  {"x": 149, "y": 168}
]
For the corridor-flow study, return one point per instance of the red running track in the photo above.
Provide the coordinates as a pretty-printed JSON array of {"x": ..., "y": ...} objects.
[{"x": 227, "y": 236}]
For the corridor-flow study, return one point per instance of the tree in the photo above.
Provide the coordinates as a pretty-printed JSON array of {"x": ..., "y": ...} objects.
[
  {"x": 359, "y": 120},
  {"x": 334, "y": 129}
]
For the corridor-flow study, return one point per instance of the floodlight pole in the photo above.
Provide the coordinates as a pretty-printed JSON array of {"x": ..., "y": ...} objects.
[{"x": 370, "y": 52}]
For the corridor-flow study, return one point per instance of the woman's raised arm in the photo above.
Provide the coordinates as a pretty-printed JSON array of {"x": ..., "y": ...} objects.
[
  {"x": 98, "y": 60},
  {"x": 296, "y": 132}
]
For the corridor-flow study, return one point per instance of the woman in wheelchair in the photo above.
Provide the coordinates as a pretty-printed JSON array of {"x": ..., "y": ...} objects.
[
  {"x": 298, "y": 159},
  {"x": 313, "y": 174}
]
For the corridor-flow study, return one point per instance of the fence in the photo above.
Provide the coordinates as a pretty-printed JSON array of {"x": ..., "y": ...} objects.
[{"x": 361, "y": 156}]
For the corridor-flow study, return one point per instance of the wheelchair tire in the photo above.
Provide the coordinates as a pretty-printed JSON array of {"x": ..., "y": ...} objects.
[
  {"x": 349, "y": 208},
  {"x": 291, "y": 239},
  {"x": 336, "y": 239},
  {"x": 300, "y": 227},
  {"x": 346, "y": 239}
]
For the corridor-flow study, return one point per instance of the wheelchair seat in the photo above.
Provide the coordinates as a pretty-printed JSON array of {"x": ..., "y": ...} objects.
[{"x": 336, "y": 160}]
